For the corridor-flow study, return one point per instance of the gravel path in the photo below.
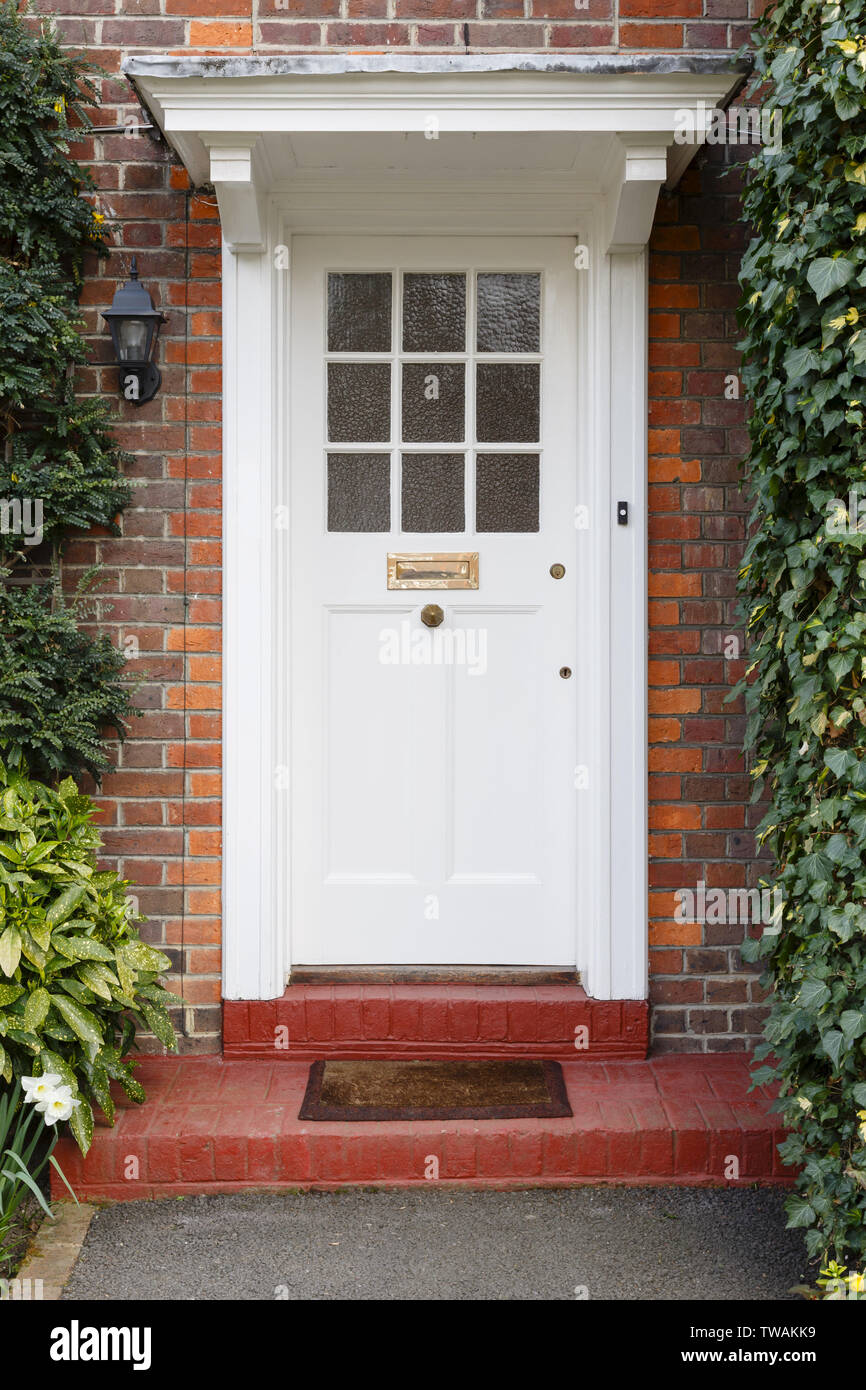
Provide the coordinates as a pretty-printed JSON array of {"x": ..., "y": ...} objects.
[{"x": 601, "y": 1243}]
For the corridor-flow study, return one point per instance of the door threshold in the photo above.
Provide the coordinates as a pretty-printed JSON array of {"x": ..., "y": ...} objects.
[{"x": 432, "y": 975}]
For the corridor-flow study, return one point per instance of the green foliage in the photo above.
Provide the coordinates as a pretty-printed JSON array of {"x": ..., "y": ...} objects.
[
  {"x": 804, "y": 585},
  {"x": 55, "y": 448},
  {"x": 26, "y": 1145},
  {"x": 76, "y": 980},
  {"x": 59, "y": 687}
]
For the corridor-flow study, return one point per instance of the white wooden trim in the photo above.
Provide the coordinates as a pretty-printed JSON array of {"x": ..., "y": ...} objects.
[
  {"x": 623, "y": 973},
  {"x": 253, "y": 941}
]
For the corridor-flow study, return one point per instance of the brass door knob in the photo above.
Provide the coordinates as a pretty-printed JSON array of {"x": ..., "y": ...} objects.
[{"x": 431, "y": 615}]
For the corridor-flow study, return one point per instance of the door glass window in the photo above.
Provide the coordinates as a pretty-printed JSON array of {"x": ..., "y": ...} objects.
[{"x": 416, "y": 365}]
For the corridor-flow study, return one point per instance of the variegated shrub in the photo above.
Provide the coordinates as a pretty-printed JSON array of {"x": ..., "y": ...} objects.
[{"x": 76, "y": 980}]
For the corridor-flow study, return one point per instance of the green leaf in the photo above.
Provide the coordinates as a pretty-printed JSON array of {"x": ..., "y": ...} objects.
[
  {"x": 36, "y": 1009},
  {"x": 828, "y": 274},
  {"x": 81, "y": 1124},
  {"x": 813, "y": 995},
  {"x": 800, "y": 1212},
  {"x": 853, "y": 1024},
  {"x": 82, "y": 948},
  {"x": 832, "y": 1042},
  {"x": 80, "y": 1019},
  {"x": 92, "y": 978},
  {"x": 142, "y": 957},
  {"x": 799, "y": 361},
  {"x": 159, "y": 1024},
  {"x": 10, "y": 951},
  {"x": 9, "y": 993},
  {"x": 64, "y": 906}
]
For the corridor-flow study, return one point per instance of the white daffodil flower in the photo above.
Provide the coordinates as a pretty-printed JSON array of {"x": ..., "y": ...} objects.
[
  {"x": 38, "y": 1088},
  {"x": 58, "y": 1107}
]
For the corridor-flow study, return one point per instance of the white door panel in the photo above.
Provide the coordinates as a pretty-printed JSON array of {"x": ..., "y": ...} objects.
[{"x": 433, "y": 799}]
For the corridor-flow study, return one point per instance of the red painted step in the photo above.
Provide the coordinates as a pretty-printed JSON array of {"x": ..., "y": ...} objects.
[
  {"x": 435, "y": 1020},
  {"x": 220, "y": 1126}
]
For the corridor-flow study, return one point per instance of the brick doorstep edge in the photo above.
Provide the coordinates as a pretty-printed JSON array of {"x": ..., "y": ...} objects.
[{"x": 54, "y": 1250}]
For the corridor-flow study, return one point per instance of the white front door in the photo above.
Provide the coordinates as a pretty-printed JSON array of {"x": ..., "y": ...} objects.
[{"x": 433, "y": 412}]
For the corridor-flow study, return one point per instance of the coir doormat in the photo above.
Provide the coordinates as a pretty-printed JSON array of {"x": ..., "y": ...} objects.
[{"x": 373, "y": 1090}]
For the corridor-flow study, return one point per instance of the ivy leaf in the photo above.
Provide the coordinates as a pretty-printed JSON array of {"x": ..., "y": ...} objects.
[
  {"x": 838, "y": 760},
  {"x": 800, "y": 1212},
  {"x": 832, "y": 1042},
  {"x": 813, "y": 995},
  {"x": 853, "y": 1024},
  {"x": 799, "y": 361},
  {"x": 828, "y": 274}
]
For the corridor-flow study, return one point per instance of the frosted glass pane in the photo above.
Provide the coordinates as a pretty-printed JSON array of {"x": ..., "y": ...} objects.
[
  {"x": 359, "y": 313},
  {"x": 359, "y": 402},
  {"x": 506, "y": 492},
  {"x": 434, "y": 313},
  {"x": 508, "y": 313},
  {"x": 359, "y": 492},
  {"x": 433, "y": 492},
  {"x": 507, "y": 402},
  {"x": 433, "y": 402}
]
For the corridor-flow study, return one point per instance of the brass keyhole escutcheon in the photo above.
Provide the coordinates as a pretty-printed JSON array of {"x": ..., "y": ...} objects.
[
  {"x": 557, "y": 571},
  {"x": 565, "y": 672},
  {"x": 431, "y": 615}
]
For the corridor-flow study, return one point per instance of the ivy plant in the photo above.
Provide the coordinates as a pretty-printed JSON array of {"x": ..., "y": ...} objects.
[
  {"x": 803, "y": 582},
  {"x": 60, "y": 467},
  {"x": 59, "y": 686}
]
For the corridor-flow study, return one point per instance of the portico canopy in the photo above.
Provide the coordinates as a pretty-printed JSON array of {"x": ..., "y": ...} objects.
[{"x": 606, "y": 125}]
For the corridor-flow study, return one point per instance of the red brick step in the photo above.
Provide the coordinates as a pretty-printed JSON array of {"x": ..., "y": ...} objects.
[
  {"x": 221, "y": 1126},
  {"x": 435, "y": 1020}
]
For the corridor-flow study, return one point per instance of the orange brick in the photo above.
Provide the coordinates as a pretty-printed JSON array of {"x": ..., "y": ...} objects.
[
  {"x": 204, "y": 962},
  {"x": 682, "y": 585},
  {"x": 207, "y": 902},
  {"x": 674, "y": 701},
  {"x": 675, "y": 933},
  {"x": 205, "y": 784},
  {"x": 211, "y": 34},
  {"x": 662, "y": 904},
  {"x": 665, "y": 846},
  {"x": 197, "y": 991},
  {"x": 664, "y": 730},
  {"x": 664, "y": 672},
  {"x": 193, "y": 639},
  {"x": 204, "y": 842},
  {"x": 675, "y": 760},
  {"x": 675, "y": 817},
  {"x": 674, "y": 470}
]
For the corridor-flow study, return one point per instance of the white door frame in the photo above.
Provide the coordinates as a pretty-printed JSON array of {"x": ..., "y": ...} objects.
[
  {"x": 612, "y": 809},
  {"x": 224, "y": 117}
]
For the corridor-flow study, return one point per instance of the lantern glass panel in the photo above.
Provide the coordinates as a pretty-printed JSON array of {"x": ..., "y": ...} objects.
[{"x": 134, "y": 340}]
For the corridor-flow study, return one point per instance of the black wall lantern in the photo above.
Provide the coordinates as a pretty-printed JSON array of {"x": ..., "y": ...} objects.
[{"x": 134, "y": 325}]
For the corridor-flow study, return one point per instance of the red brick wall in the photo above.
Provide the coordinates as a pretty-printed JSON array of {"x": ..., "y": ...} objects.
[
  {"x": 162, "y": 806},
  {"x": 701, "y": 823}
]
